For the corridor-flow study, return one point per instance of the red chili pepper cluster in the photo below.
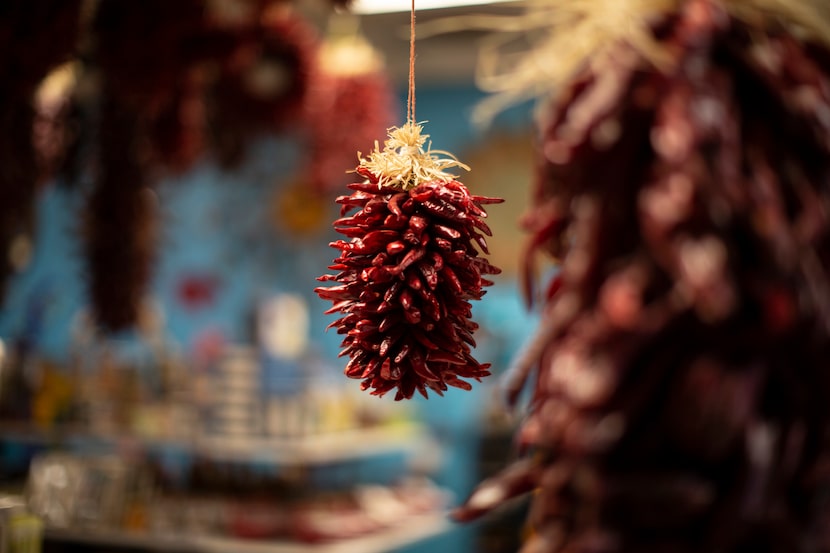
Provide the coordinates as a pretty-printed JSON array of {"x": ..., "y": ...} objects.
[
  {"x": 156, "y": 58},
  {"x": 172, "y": 28},
  {"x": 352, "y": 111},
  {"x": 681, "y": 393},
  {"x": 405, "y": 281},
  {"x": 264, "y": 87}
]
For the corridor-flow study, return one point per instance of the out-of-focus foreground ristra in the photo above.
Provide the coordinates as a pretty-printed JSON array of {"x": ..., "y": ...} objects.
[{"x": 682, "y": 364}]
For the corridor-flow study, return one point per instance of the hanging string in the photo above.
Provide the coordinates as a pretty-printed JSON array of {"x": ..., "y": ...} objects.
[
  {"x": 407, "y": 159},
  {"x": 410, "y": 100}
]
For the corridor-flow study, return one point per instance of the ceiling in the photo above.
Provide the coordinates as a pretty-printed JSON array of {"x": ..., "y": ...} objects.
[
  {"x": 382, "y": 6},
  {"x": 444, "y": 58}
]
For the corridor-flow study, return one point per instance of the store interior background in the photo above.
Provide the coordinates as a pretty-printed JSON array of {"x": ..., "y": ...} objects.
[{"x": 224, "y": 256}]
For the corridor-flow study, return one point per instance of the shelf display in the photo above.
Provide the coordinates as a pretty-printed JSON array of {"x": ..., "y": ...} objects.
[
  {"x": 234, "y": 481},
  {"x": 237, "y": 491},
  {"x": 239, "y": 405},
  {"x": 414, "y": 530},
  {"x": 113, "y": 500}
]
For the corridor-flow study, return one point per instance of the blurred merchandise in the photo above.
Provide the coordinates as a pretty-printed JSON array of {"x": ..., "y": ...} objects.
[
  {"x": 54, "y": 488},
  {"x": 82, "y": 497},
  {"x": 20, "y": 530},
  {"x": 15, "y": 389},
  {"x": 234, "y": 407},
  {"x": 261, "y": 443},
  {"x": 53, "y": 395}
]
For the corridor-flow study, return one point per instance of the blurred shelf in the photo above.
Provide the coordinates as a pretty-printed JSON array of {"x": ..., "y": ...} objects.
[
  {"x": 320, "y": 448},
  {"x": 312, "y": 449},
  {"x": 413, "y": 530},
  {"x": 74, "y": 436}
]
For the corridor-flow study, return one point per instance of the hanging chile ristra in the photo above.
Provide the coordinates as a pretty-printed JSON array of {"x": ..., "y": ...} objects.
[
  {"x": 135, "y": 86},
  {"x": 409, "y": 270},
  {"x": 264, "y": 87},
  {"x": 352, "y": 105},
  {"x": 680, "y": 403}
]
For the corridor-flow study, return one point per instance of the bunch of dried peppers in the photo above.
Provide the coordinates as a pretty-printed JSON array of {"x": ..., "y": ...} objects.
[
  {"x": 680, "y": 400},
  {"x": 407, "y": 274},
  {"x": 352, "y": 104}
]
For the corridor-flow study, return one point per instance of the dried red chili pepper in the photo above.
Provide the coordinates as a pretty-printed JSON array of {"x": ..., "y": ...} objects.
[
  {"x": 404, "y": 297},
  {"x": 680, "y": 394}
]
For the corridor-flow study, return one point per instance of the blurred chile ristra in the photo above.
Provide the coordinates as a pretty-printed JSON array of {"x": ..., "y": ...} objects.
[
  {"x": 680, "y": 396},
  {"x": 409, "y": 270}
]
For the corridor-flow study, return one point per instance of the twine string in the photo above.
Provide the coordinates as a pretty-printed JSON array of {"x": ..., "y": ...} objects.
[
  {"x": 410, "y": 100},
  {"x": 404, "y": 162}
]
